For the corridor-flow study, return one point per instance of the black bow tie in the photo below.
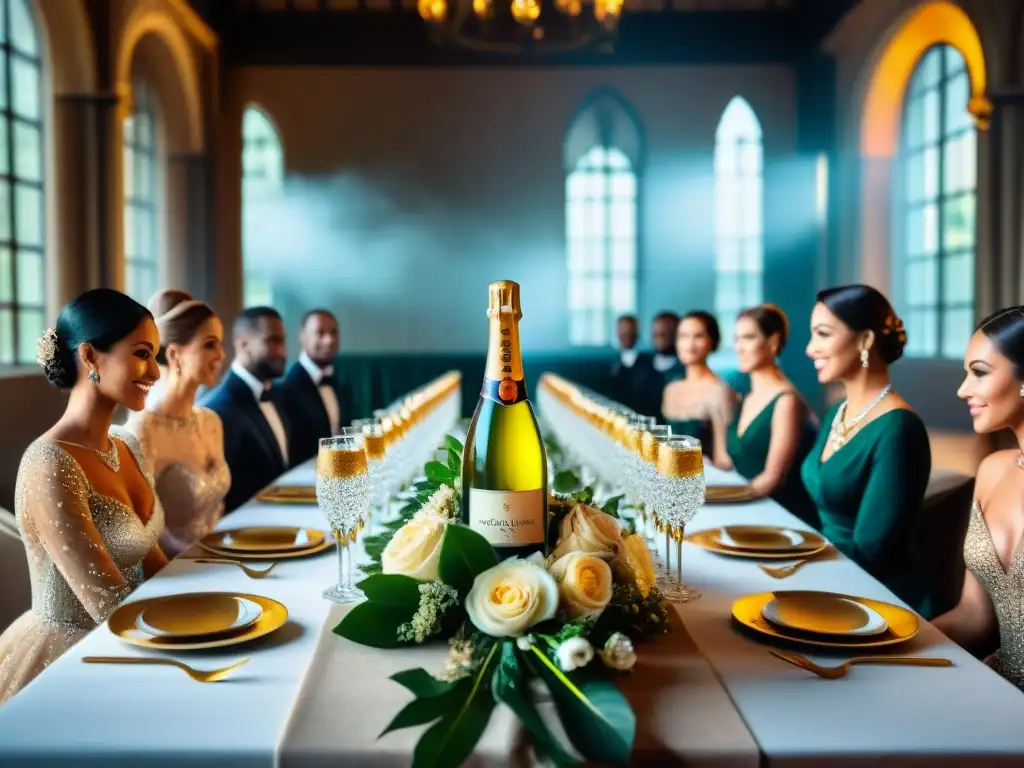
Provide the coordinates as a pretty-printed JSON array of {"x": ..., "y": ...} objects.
[
  {"x": 266, "y": 397},
  {"x": 329, "y": 380}
]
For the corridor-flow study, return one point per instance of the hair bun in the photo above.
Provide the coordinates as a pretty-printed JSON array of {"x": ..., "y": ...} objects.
[
  {"x": 893, "y": 339},
  {"x": 163, "y": 302},
  {"x": 52, "y": 355}
]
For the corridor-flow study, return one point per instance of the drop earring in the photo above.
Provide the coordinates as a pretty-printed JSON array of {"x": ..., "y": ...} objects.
[
  {"x": 1022, "y": 390},
  {"x": 864, "y": 359},
  {"x": 94, "y": 376}
]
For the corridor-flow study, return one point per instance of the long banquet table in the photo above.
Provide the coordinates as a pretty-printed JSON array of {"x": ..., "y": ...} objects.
[{"x": 705, "y": 695}]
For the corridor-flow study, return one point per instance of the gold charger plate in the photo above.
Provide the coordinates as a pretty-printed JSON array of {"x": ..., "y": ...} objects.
[
  {"x": 265, "y": 538},
  {"x": 122, "y": 624},
  {"x": 197, "y": 615},
  {"x": 288, "y": 494},
  {"x": 903, "y": 623},
  {"x": 708, "y": 539},
  {"x": 287, "y": 554},
  {"x": 728, "y": 494}
]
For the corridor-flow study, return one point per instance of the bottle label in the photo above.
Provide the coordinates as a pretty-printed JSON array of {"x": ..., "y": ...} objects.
[
  {"x": 508, "y": 518},
  {"x": 504, "y": 391}
]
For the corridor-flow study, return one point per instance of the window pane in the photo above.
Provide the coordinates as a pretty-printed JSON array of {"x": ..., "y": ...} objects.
[
  {"x": 128, "y": 173},
  {"x": 728, "y": 255},
  {"x": 28, "y": 152},
  {"x": 25, "y": 77},
  {"x": 624, "y": 218},
  {"x": 5, "y": 210},
  {"x": 7, "y": 337},
  {"x": 957, "y": 95},
  {"x": 28, "y": 209},
  {"x": 932, "y": 123},
  {"x": 576, "y": 220},
  {"x": 930, "y": 172},
  {"x": 922, "y": 329},
  {"x": 753, "y": 256},
  {"x": 3, "y": 81},
  {"x": 4, "y": 133},
  {"x": 957, "y": 326},
  {"x": 922, "y": 282},
  {"x": 30, "y": 328},
  {"x": 958, "y": 279},
  {"x": 959, "y": 163},
  {"x": 623, "y": 256},
  {"x": 623, "y": 295},
  {"x": 23, "y": 29},
  {"x": 578, "y": 254},
  {"x": 577, "y": 293},
  {"x": 930, "y": 234},
  {"x": 913, "y": 177},
  {"x": 599, "y": 327},
  {"x": 30, "y": 278},
  {"x": 958, "y": 222},
  {"x": 914, "y": 124},
  {"x": 623, "y": 185},
  {"x": 914, "y": 232},
  {"x": 6, "y": 278}
]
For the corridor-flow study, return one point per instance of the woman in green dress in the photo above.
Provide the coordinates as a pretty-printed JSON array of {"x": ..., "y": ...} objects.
[
  {"x": 868, "y": 472},
  {"x": 696, "y": 402},
  {"x": 773, "y": 429}
]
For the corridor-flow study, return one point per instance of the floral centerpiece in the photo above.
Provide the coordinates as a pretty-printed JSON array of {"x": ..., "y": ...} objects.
[{"x": 566, "y": 623}]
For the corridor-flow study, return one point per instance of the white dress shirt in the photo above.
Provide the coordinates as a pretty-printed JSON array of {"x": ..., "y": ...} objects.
[
  {"x": 628, "y": 357},
  {"x": 269, "y": 410},
  {"x": 327, "y": 394},
  {"x": 663, "y": 363}
]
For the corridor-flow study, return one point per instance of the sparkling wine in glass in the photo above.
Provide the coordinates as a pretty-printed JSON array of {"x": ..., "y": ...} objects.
[
  {"x": 680, "y": 483},
  {"x": 343, "y": 494}
]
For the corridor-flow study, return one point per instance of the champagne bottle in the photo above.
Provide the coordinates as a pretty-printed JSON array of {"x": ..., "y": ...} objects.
[{"x": 504, "y": 467}]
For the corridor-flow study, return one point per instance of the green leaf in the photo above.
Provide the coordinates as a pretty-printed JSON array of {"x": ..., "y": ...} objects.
[
  {"x": 421, "y": 683},
  {"x": 438, "y": 472},
  {"x": 586, "y": 496},
  {"x": 420, "y": 711},
  {"x": 392, "y": 589},
  {"x": 424, "y": 485},
  {"x": 565, "y": 481},
  {"x": 448, "y": 743},
  {"x": 596, "y": 716},
  {"x": 611, "y": 506},
  {"x": 464, "y": 555},
  {"x": 452, "y": 444},
  {"x": 454, "y": 463},
  {"x": 371, "y": 568},
  {"x": 374, "y": 624},
  {"x": 510, "y": 686}
]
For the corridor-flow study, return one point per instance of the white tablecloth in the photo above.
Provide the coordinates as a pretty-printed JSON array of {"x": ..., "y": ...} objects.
[{"x": 109, "y": 716}]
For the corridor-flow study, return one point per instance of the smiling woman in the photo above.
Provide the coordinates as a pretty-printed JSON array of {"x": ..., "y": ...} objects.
[{"x": 87, "y": 513}]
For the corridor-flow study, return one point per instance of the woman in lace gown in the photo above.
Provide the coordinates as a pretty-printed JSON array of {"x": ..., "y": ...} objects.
[
  {"x": 991, "y": 607},
  {"x": 697, "y": 402},
  {"x": 86, "y": 510},
  {"x": 182, "y": 443}
]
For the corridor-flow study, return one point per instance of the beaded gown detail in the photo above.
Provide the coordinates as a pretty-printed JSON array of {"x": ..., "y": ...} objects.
[
  {"x": 87, "y": 529},
  {"x": 186, "y": 456},
  {"x": 1005, "y": 589}
]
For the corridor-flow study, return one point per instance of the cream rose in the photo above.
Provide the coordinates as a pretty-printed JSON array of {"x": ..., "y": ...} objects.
[
  {"x": 586, "y": 529},
  {"x": 633, "y": 562},
  {"x": 508, "y": 599},
  {"x": 584, "y": 584},
  {"x": 415, "y": 549},
  {"x": 442, "y": 503}
]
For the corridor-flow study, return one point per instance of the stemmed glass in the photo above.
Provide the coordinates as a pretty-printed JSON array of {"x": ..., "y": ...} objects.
[
  {"x": 680, "y": 492},
  {"x": 343, "y": 494}
]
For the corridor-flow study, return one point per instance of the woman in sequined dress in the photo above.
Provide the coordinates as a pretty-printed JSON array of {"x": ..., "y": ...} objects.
[
  {"x": 182, "y": 443},
  {"x": 85, "y": 508},
  {"x": 991, "y": 607}
]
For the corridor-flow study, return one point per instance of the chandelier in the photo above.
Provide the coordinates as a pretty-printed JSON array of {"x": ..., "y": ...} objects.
[{"x": 519, "y": 26}]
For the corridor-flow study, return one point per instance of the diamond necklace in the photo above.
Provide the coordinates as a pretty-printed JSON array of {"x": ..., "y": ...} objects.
[{"x": 842, "y": 429}]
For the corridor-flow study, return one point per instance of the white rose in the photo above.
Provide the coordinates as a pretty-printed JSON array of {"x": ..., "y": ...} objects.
[
  {"x": 508, "y": 599},
  {"x": 618, "y": 653},
  {"x": 442, "y": 503},
  {"x": 633, "y": 562},
  {"x": 584, "y": 583},
  {"x": 574, "y": 653},
  {"x": 586, "y": 529},
  {"x": 415, "y": 549}
]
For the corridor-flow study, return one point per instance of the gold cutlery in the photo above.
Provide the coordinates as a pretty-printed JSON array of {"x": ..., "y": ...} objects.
[
  {"x": 836, "y": 672},
  {"x": 211, "y": 676},
  {"x": 782, "y": 571},
  {"x": 252, "y": 573}
]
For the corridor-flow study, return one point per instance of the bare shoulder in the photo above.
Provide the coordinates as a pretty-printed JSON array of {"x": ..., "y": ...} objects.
[
  {"x": 209, "y": 418},
  {"x": 992, "y": 469},
  {"x": 789, "y": 406}
]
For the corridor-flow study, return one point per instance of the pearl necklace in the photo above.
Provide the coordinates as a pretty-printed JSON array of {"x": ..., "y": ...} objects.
[{"x": 842, "y": 429}]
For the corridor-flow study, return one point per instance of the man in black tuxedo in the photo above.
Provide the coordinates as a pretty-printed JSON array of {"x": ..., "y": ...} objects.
[
  {"x": 317, "y": 403},
  {"x": 255, "y": 429},
  {"x": 631, "y": 360},
  {"x": 653, "y": 372}
]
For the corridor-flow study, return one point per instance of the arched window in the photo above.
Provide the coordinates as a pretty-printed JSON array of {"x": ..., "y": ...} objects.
[
  {"x": 602, "y": 147},
  {"x": 739, "y": 212},
  {"x": 22, "y": 228},
  {"x": 262, "y": 181},
  {"x": 141, "y": 244},
  {"x": 938, "y": 183}
]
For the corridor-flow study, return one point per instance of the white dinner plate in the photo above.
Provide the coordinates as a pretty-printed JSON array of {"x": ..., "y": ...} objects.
[{"x": 824, "y": 614}]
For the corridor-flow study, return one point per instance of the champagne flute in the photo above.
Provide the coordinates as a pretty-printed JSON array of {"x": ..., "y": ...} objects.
[
  {"x": 343, "y": 494},
  {"x": 680, "y": 484}
]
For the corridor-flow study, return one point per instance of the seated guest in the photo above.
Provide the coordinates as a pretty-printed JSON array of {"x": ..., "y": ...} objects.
[
  {"x": 652, "y": 372},
  {"x": 623, "y": 385},
  {"x": 868, "y": 472},
  {"x": 316, "y": 403},
  {"x": 86, "y": 511},
  {"x": 696, "y": 402},
  {"x": 255, "y": 433},
  {"x": 993, "y": 592},
  {"x": 773, "y": 429},
  {"x": 182, "y": 443}
]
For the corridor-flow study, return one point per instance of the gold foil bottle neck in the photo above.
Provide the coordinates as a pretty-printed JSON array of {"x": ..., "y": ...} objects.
[{"x": 503, "y": 296}]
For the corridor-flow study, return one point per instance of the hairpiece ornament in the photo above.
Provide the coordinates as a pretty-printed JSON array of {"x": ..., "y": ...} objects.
[
  {"x": 893, "y": 325},
  {"x": 46, "y": 348}
]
